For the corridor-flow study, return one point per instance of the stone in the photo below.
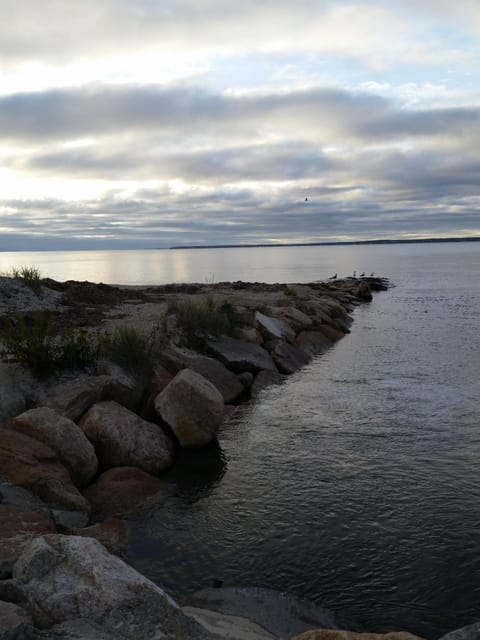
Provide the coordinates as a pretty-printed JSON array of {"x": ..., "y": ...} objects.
[
  {"x": 470, "y": 632},
  {"x": 329, "y": 332},
  {"x": 112, "y": 532},
  {"x": 64, "y": 437},
  {"x": 68, "y": 578},
  {"x": 298, "y": 320},
  {"x": 334, "y": 634},
  {"x": 73, "y": 397},
  {"x": 212, "y": 370},
  {"x": 30, "y": 464},
  {"x": 273, "y": 328},
  {"x": 22, "y": 498},
  {"x": 246, "y": 379},
  {"x": 363, "y": 291},
  {"x": 279, "y": 613},
  {"x": 125, "y": 490},
  {"x": 192, "y": 407},
  {"x": 289, "y": 358},
  {"x": 249, "y": 334},
  {"x": 312, "y": 342},
  {"x": 264, "y": 379},
  {"x": 17, "y": 528},
  {"x": 121, "y": 386},
  {"x": 11, "y": 618},
  {"x": 121, "y": 438},
  {"x": 239, "y": 356},
  {"x": 334, "y": 307},
  {"x": 228, "y": 627},
  {"x": 12, "y": 401}
]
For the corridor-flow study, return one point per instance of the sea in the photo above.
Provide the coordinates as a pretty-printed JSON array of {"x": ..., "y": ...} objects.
[{"x": 355, "y": 483}]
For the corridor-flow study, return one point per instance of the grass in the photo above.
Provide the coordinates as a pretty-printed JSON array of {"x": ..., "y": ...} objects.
[
  {"x": 34, "y": 343},
  {"x": 198, "y": 319},
  {"x": 30, "y": 276},
  {"x": 128, "y": 348}
]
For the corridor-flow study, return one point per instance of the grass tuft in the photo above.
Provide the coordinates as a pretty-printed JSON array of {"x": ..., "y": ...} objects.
[
  {"x": 198, "y": 319},
  {"x": 30, "y": 276},
  {"x": 128, "y": 348}
]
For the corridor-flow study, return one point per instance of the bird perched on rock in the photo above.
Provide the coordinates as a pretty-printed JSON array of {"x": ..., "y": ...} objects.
[
  {"x": 333, "y": 277},
  {"x": 354, "y": 274},
  {"x": 362, "y": 274}
]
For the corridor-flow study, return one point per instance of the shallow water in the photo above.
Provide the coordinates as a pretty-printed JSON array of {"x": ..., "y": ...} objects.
[{"x": 354, "y": 484}]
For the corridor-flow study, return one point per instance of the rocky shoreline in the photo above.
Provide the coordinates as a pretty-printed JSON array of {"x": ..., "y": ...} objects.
[{"x": 81, "y": 451}]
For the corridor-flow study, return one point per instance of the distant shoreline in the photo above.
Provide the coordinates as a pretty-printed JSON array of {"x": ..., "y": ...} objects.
[{"x": 323, "y": 244}]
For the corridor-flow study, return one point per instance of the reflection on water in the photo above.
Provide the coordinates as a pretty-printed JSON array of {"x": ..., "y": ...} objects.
[{"x": 355, "y": 483}]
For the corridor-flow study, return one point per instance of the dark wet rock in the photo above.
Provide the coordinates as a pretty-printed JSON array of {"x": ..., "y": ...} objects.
[
  {"x": 246, "y": 379},
  {"x": 125, "y": 490},
  {"x": 121, "y": 438},
  {"x": 312, "y": 342},
  {"x": 22, "y": 498},
  {"x": 112, "y": 532},
  {"x": 12, "y": 619},
  {"x": 28, "y": 463},
  {"x": 67, "y": 578},
  {"x": 330, "y": 332},
  {"x": 470, "y": 632},
  {"x": 17, "y": 528},
  {"x": 64, "y": 437},
  {"x": 239, "y": 356},
  {"x": 363, "y": 291},
  {"x": 289, "y": 358},
  {"x": 192, "y": 407},
  {"x": 332, "y": 634},
  {"x": 298, "y": 320},
  {"x": 121, "y": 386},
  {"x": 264, "y": 379}
]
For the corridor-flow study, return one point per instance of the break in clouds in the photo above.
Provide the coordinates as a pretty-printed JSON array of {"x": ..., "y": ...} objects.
[{"x": 256, "y": 120}]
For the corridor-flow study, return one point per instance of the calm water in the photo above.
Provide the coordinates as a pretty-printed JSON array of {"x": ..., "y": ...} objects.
[{"x": 356, "y": 483}]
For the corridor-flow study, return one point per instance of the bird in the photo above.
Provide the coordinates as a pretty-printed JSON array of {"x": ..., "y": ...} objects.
[
  {"x": 354, "y": 274},
  {"x": 372, "y": 274},
  {"x": 362, "y": 274},
  {"x": 333, "y": 277},
  {"x": 306, "y": 199}
]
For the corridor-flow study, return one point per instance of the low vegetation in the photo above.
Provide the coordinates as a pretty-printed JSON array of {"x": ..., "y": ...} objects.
[
  {"x": 198, "y": 319},
  {"x": 128, "y": 348},
  {"x": 30, "y": 276}
]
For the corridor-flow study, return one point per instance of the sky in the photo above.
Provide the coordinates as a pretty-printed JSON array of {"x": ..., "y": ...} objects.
[{"x": 152, "y": 123}]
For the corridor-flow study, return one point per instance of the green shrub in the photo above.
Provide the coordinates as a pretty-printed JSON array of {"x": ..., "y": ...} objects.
[
  {"x": 198, "y": 319},
  {"x": 30, "y": 276},
  {"x": 127, "y": 347},
  {"x": 34, "y": 343}
]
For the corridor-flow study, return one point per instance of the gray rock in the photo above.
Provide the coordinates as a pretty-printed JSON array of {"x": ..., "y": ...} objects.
[
  {"x": 22, "y": 498},
  {"x": 228, "y": 627},
  {"x": 64, "y": 437},
  {"x": 192, "y": 407},
  {"x": 74, "y": 397},
  {"x": 11, "y": 618},
  {"x": 246, "y": 379},
  {"x": 12, "y": 401},
  {"x": 241, "y": 356},
  {"x": 273, "y": 328},
  {"x": 70, "y": 578},
  {"x": 289, "y": 358},
  {"x": 281, "y": 614},
  {"x": 212, "y": 370},
  {"x": 123, "y": 439},
  {"x": 263, "y": 380},
  {"x": 121, "y": 386},
  {"x": 298, "y": 320},
  {"x": 312, "y": 342},
  {"x": 470, "y": 632}
]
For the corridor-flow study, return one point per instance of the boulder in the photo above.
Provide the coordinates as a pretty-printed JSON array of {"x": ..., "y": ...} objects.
[
  {"x": 312, "y": 342},
  {"x": 17, "y": 528},
  {"x": 249, "y": 334},
  {"x": 263, "y": 380},
  {"x": 121, "y": 438},
  {"x": 273, "y": 328},
  {"x": 112, "y": 532},
  {"x": 329, "y": 332},
  {"x": 298, "y": 320},
  {"x": 334, "y": 308},
  {"x": 470, "y": 632},
  {"x": 363, "y": 291},
  {"x": 289, "y": 358},
  {"x": 334, "y": 634},
  {"x": 121, "y": 386},
  {"x": 21, "y": 498},
  {"x": 73, "y": 397},
  {"x": 212, "y": 370},
  {"x": 192, "y": 407},
  {"x": 70, "y": 578},
  {"x": 30, "y": 464},
  {"x": 246, "y": 379},
  {"x": 239, "y": 356},
  {"x": 227, "y": 626},
  {"x": 12, "y": 401},
  {"x": 64, "y": 437},
  {"x": 12, "y": 619},
  {"x": 125, "y": 490}
]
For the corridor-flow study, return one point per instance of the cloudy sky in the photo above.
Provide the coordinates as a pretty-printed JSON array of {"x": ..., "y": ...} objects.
[{"x": 151, "y": 123}]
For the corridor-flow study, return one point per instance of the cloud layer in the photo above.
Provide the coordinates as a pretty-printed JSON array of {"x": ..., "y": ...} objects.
[{"x": 355, "y": 105}]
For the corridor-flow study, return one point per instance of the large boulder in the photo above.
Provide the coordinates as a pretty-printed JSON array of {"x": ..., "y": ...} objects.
[
  {"x": 273, "y": 328},
  {"x": 125, "y": 490},
  {"x": 122, "y": 386},
  {"x": 73, "y": 397},
  {"x": 192, "y": 407},
  {"x": 112, "y": 533},
  {"x": 470, "y": 632},
  {"x": 12, "y": 400},
  {"x": 17, "y": 528},
  {"x": 70, "y": 578},
  {"x": 329, "y": 332},
  {"x": 212, "y": 370},
  {"x": 265, "y": 379},
  {"x": 239, "y": 355},
  {"x": 312, "y": 342},
  {"x": 28, "y": 463},
  {"x": 123, "y": 439},
  {"x": 12, "y": 620},
  {"x": 64, "y": 437},
  {"x": 298, "y": 320},
  {"x": 289, "y": 358}
]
